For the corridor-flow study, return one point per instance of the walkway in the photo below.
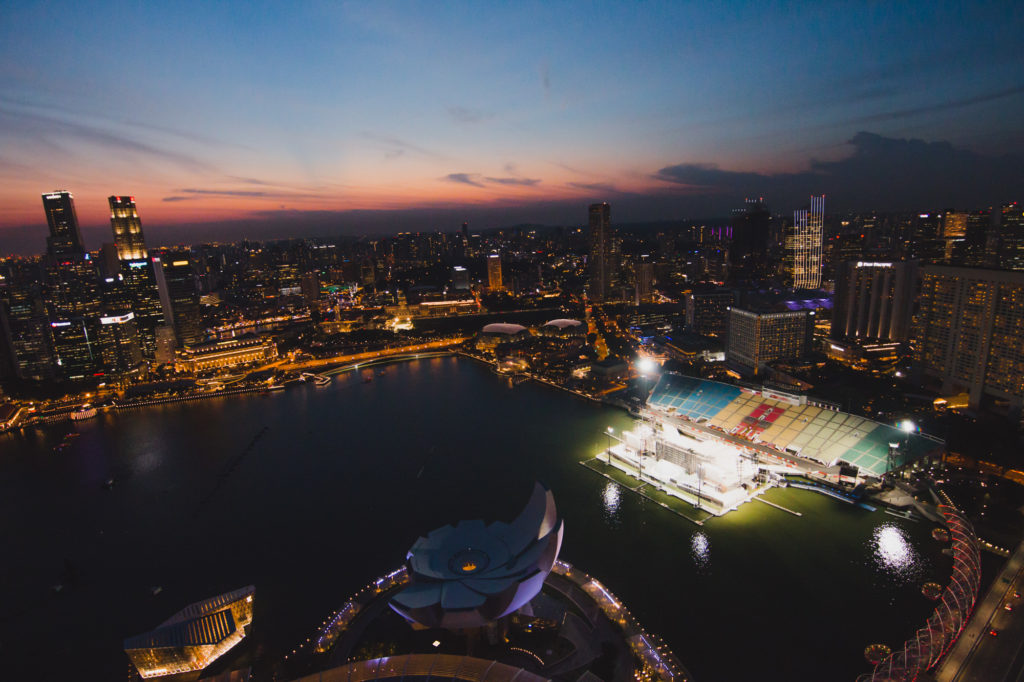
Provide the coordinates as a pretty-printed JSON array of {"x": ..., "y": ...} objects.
[{"x": 980, "y": 657}]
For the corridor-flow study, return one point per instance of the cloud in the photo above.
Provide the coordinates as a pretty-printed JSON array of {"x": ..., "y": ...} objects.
[
  {"x": 525, "y": 182},
  {"x": 467, "y": 115},
  {"x": 47, "y": 128},
  {"x": 395, "y": 147},
  {"x": 942, "y": 106},
  {"x": 881, "y": 173},
  {"x": 227, "y": 192},
  {"x": 464, "y": 178},
  {"x": 545, "y": 79},
  {"x": 603, "y": 187}
]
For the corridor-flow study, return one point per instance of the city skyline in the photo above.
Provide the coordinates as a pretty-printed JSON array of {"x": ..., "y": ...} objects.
[{"x": 369, "y": 119}]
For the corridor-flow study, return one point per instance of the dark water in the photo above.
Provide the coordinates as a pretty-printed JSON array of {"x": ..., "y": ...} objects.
[{"x": 344, "y": 478}]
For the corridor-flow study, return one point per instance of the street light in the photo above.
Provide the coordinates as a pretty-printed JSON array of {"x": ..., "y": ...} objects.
[{"x": 608, "y": 451}]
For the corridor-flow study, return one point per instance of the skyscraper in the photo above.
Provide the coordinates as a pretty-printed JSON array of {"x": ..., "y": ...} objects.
[
  {"x": 494, "y": 281},
  {"x": 601, "y": 249},
  {"x": 65, "y": 238},
  {"x": 803, "y": 245},
  {"x": 967, "y": 333},
  {"x": 751, "y": 233},
  {"x": 184, "y": 298},
  {"x": 124, "y": 220}
]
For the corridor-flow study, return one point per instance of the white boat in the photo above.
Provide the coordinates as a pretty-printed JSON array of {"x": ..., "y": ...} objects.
[{"x": 83, "y": 413}]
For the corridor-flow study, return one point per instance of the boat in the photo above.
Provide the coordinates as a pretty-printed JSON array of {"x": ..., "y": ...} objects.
[
  {"x": 275, "y": 387},
  {"x": 108, "y": 484},
  {"x": 367, "y": 380},
  {"x": 322, "y": 381},
  {"x": 83, "y": 413},
  {"x": 156, "y": 590}
]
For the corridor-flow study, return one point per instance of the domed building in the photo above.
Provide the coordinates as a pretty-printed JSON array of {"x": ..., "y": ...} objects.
[
  {"x": 563, "y": 328},
  {"x": 500, "y": 334}
]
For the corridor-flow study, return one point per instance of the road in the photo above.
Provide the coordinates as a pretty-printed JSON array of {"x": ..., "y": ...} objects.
[
  {"x": 286, "y": 366},
  {"x": 981, "y": 657}
]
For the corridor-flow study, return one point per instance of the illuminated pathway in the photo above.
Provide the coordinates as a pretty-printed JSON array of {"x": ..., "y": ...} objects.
[
  {"x": 370, "y": 355},
  {"x": 980, "y": 657}
]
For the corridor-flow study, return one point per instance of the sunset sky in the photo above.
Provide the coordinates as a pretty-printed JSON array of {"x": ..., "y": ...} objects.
[{"x": 283, "y": 119}]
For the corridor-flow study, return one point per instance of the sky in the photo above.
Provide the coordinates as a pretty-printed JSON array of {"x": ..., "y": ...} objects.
[{"x": 255, "y": 119}]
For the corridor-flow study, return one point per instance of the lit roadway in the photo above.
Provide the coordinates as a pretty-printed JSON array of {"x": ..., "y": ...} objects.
[
  {"x": 370, "y": 355},
  {"x": 979, "y": 656}
]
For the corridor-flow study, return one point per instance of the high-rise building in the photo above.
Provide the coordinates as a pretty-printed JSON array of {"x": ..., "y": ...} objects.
[
  {"x": 967, "y": 333},
  {"x": 1011, "y": 237},
  {"x": 144, "y": 300},
  {"x": 65, "y": 237},
  {"x": 119, "y": 343},
  {"x": 644, "y": 281},
  {"x": 165, "y": 345},
  {"x": 750, "y": 238},
  {"x": 758, "y": 338},
  {"x": 601, "y": 262},
  {"x": 460, "y": 278},
  {"x": 183, "y": 297},
  {"x": 707, "y": 312},
  {"x": 494, "y": 282},
  {"x": 124, "y": 220},
  {"x": 873, "y": 300},
  {"x": 25, "y": 325},
  {"x": 804, "y": 245}
]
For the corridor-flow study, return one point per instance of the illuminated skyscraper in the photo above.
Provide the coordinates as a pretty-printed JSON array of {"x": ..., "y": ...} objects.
[
  {"x": 803, "y": 245},
  {"x": 601, "y": 261},
  {"x": 183, "y": 298},
  {"x": 873, "y": 300},
  {"x": 124, "y": 220},
  {"x": 65, "y": 238},
  {"x": 494, "y": 281},
  {"x": 757, "y": 338}
]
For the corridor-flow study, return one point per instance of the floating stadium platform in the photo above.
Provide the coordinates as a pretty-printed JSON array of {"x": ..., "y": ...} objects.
[{"x": 787, "y": 423}]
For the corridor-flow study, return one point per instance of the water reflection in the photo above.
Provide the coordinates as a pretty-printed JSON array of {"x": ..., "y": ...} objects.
[
  {"x": 701, "y": 548},
  {"x": 893, "y": 553},
  {"x": 611, "y": 501}
]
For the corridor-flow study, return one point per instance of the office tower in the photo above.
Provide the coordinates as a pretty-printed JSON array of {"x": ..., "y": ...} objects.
[
  {"x": 758, "y": 338},
  {"x": 65, "y": 237},
  {"x": 460, "y": 278},
  {"x": 967, "y": 333},
  {"x": 494, "y": 282},
  {"x": 751, "y": 234},
  {"x": 119, "y": 343},
  {"x": 601, "y": 260},
  {"x": 804, "y": 243},
  {"x": 140, "y": 283},
  {"x": 465, "y": 233},
  {"x": 1011, "y": 237},
  {"x": 644, "y": 292},
  {"x": 75, "y": 346},
  {"x": 310, "y": 286},
  {"x": 183, "y": 298},
  {"x": 873, "y": 300},
  {"x": 25, "y": 325},
  {"x": 124, "y": 220},
  {"x": 707, "y": 312}
]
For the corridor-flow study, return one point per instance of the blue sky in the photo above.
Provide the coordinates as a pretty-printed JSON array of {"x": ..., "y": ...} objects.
[{"x": 272, "y": 109}]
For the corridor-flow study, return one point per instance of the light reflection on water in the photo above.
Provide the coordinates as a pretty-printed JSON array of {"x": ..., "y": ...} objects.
[
  {"x": 893, "y": 553},
  {"x": 701, "y": 547},
  {"x": 611, "y": 501}
]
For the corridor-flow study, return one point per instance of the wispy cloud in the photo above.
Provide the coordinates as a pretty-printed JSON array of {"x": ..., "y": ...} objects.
[
  {"x": 14, "y": 121},
  {"x": 605, "y": 187},
  {"x": 395, "y": 147},
  {"x": 464, "y": 179},
  {"x": 524, "y": 182},
  {"x": 941, "y": 106},
  {"x": 468, "y": 115}
]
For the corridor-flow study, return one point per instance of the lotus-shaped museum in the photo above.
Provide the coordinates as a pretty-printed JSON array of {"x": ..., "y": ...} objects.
[{"x": 467, "y": 575}]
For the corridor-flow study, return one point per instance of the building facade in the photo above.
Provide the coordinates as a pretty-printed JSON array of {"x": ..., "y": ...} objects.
[
  {"x": 874, "y": 300},
  {"x": 757, "y": 338},
  {"x": 124, "y": 221},
  {"x": 968, "y": 333},
  {"x": 602, "y": 250},
  {"x": 494, "y": 281},
  {"x": 65, "y": 237},
  {"x": 804, "y": 245},
  {"x": 707, "y": 312}
]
